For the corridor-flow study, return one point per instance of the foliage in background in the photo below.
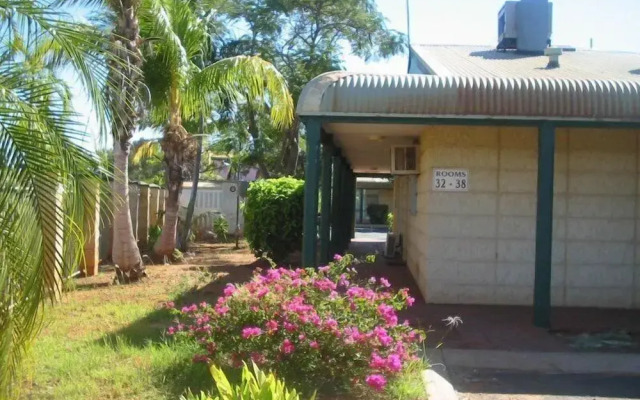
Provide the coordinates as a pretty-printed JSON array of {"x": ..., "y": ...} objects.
[
  {"x": 254, "y": 385},
  {"x": 308, "y": 325},
  {"x": 154, "y": 234},
  {"x": 273, "y": 213},
  {"x": 221, "y": 228},
  {"x": 390, "y": 221},
  {"x": 184, "y": 90},
  {"x": 303, "y": 39},
  {"x": 377, "y": 213},
  {"x": 47, "y": 179},
  {"x": 145, "y": 162}
]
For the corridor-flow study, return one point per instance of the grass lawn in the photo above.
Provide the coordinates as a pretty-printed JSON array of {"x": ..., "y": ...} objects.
[{"x": 106, "y": 341}]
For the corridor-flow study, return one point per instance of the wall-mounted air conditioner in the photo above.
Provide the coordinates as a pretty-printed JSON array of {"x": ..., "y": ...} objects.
[{"x": 404, "y": 160}]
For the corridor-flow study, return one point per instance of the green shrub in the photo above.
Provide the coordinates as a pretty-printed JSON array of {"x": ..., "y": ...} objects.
[
  {"x": 154, "y": 233},
  {"x": 221, "y": 228},
  {"x": 377, "y": 213},
  {"x": 273, "y": 215},
  {"x": 308, "y": 325},
  {"x": 390, "y": 221},
  {"x": 255, "y": 385}
]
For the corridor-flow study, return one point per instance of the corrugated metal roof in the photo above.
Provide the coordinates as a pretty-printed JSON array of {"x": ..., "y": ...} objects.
[
  {"x": 353, "y": 94},
  {"x": 487, "y": 62}
]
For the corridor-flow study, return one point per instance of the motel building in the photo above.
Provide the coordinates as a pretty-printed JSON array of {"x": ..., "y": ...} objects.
[{"x": 515, "y": 168}]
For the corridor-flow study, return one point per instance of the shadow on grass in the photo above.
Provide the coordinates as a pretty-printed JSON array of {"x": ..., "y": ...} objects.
[{"x": 179, "y": 372}]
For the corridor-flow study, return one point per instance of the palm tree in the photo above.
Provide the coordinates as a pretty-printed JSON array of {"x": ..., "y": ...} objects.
[
  {"x": 180, "y": 90},
  {"x": 46, "y": 178},
  {"x": 125, "y": 78}
]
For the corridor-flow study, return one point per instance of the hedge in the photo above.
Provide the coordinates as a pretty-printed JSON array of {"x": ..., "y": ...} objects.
[{"x": 273, "y": 214}]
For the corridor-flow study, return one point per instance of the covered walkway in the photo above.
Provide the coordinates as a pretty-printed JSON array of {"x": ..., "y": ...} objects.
[{"x": 354, "y": 120}]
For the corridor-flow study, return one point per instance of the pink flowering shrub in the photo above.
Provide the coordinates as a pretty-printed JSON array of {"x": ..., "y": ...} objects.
[{"x": 310, "y": 326}]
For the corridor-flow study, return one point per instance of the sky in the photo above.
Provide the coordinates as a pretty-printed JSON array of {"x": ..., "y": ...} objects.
[{"x": 612, "y": 24}]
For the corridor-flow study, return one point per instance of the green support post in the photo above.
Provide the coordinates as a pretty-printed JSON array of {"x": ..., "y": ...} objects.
[
  {"x": 361, "y": 206},
  {"x": 344, "y": 193},
  {"x": 311, "y": 180},
  {"x": 335, "y": 203},
  {"x": 347, "y": 203},
  {"x": 544, "y": 226},
  {"x": 354, "y": 188},
  {"x": 325, "y": 203}
]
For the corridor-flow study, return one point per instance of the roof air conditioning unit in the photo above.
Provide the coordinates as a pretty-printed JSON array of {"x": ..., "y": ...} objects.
[
  {"x": 508, "y": 26},
  {"x": 404, "y": 160}
]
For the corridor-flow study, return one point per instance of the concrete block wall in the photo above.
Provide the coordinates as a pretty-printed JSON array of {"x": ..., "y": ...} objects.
[{"x": 479, "y": 246}]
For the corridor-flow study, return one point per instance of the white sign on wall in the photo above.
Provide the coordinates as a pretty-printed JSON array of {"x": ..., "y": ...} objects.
[{"x": 450, "y": 180}]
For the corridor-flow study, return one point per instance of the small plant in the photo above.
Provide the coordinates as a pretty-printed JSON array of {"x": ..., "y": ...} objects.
[
  {"x": 255, "y": 385},
  {"x": 377, "y": 213},
  {"x": 177, "y": 256},
  {"x": 154, "y": 233},
  {"x": 221, "y": 228},
  {"x": 390, "y": 221},
  {"x": 273, "y": 217},
  {"x": 308, "y": 325}
]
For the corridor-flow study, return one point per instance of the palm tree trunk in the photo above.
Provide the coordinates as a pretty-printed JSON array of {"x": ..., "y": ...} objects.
[
  {"x": 124, "y": 82},
  {"x": 178, "y": 147},
  {"x": 291, "y": 148},
  {"x": 186, "y": 230},
  {"x": 125, "y": 251}
]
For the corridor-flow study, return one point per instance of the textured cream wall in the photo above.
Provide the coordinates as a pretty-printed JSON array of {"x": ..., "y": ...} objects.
[{"x": 478, "y": 246}]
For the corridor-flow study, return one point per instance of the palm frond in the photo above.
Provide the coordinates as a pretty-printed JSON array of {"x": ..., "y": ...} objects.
[
  {"x": 145, "y": 149},
  {"x": 45, "y": 176}
]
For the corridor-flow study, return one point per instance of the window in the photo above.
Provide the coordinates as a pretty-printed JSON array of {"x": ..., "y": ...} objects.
[{"x": 209, "y": 199}]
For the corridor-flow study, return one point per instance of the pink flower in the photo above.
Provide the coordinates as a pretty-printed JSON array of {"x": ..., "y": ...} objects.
[
  {"x": 189, "y": 309},
  {"x": 289, "y": 327},
  {"x": 204, "y": 304},
  {"x": 343, "y": 280},
  {"x": 229, "y": 290},
  {"x": 171, "y": 330},
  {"x": 324, "y": 269},
  {"x": 200, "y": 358},
  {"x": 221, "y": 310},
  {"x": 301, "y": 337},
  {"x": 272, "y": 326},
  {"x": 251, "y": 331},
  {"x": 287, "y": 347},
  {"x": 372, "y": 280},
  {"x": 331, "y": 323},
  {"x": 169, "y": 304},
  {"x": 313, "y": 345},
  {"x": 257, "y": 358},
  {"x": 325, "y": 284},
  {"x": 382, "y": 335},
  {"x": 377, "y": 362},
  {"x": 262, "y": 292},
  {"x": 384, "y": 282},
  {"x": 389, "y": 314},
  {"x": 394, "y": 363},
  {"x": 376, "y": 381},
  {"x": 337, "y": 257},
  {"x": 274, "y": 274},
  {"x": 410, "y": 300}
]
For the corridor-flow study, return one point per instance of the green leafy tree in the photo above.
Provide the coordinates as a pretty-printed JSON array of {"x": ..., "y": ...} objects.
[
  {"x": 46, "y": 178},
  {"x": 303, "y": 39},
  {"x": 181, "y": 90}
]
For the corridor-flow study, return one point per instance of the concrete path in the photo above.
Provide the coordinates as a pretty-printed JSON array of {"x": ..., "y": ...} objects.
[{"x": 506, "y": 375}]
